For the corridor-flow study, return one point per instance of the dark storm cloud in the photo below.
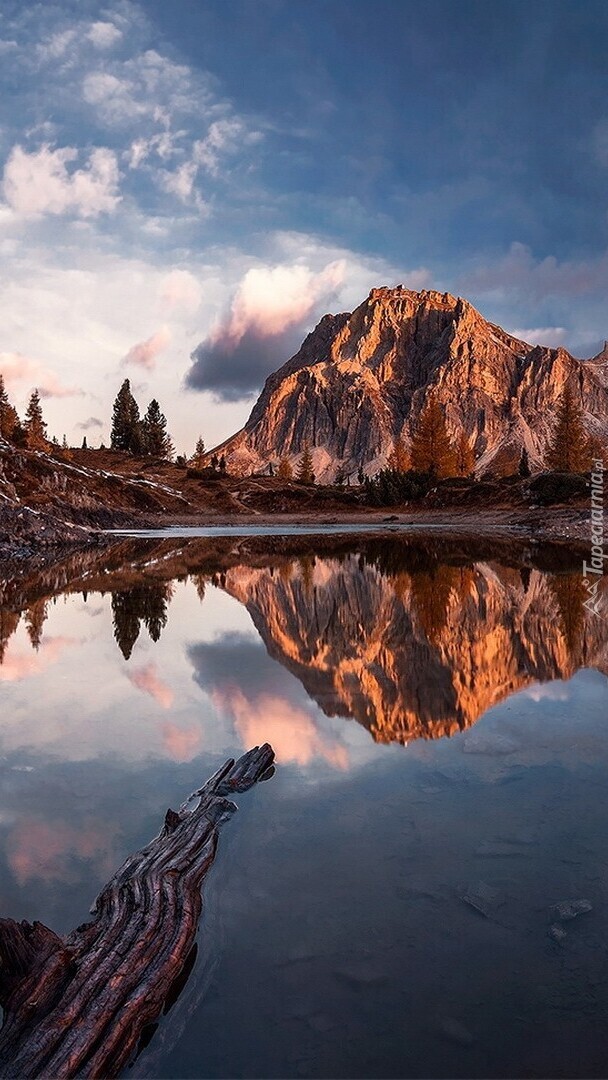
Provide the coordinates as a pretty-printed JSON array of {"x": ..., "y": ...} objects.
[{"x": 233, "y": 371}]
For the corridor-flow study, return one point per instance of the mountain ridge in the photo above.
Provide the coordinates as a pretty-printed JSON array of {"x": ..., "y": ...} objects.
[{"x": 360, "y": 380}]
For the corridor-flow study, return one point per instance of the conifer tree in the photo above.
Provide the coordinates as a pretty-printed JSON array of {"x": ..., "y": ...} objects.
[
  {"x": 154, "y": 435},
  {"x": 432, "y": 451},
  {"x": 85, "y": 445},
  {"x": 126, "y": 426},
  {"x": 305, "y": 473},
  {"x": 8, "y": 415},
  {"x": 35, "y": 426},
  {"x": 569, "y": 449},
  {"x": 222, "y": 463},
  {"x": 198, "y": 457},
  {"x": 285, "y": 471},
  {"x": 465, "y": 458},
  {"x": 399, "y": 457}
]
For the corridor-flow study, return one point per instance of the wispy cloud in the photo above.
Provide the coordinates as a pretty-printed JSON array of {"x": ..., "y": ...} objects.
[
  {"x": 148, "y": 680},
  {"x": 18, "y": 370},
  {"x": 144, "y": 354}
]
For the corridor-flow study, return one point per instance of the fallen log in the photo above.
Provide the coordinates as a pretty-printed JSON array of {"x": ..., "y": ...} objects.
[{"x": 76, "y": 1006}]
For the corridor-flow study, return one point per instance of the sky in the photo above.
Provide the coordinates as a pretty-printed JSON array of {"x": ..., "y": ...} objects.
[{"x": 187, "y": 188}]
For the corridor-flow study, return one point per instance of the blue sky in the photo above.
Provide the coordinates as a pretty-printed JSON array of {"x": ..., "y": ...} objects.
[{"x": 226, "y": 171}]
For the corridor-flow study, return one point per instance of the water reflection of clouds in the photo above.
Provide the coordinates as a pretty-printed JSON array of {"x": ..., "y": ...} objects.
[
  {"x": 147, "y": 679},
  {"x": 22, "y": 662},
  {"x": 263, "y": 702},
  {"x": 46, "y": 850}
]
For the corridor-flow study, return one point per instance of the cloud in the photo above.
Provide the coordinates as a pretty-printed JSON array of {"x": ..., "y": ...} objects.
[
  {"x": 521, "y": 275},
  {"x": 224, "y": 136},
  {"x": 180, "y": 291},
  {"x": 554, "y": 691},
  {"x": 269, "y": 711},
  {"x": 56, "y": 46},
  {"x": 104, "y": 34},
  {"x": 39, "y": 183},
  {"x": 90, "y": 424},
  {"x": 44, "y": 851},
  {"x": 181, "y": 744},
  {"x": 18, "y": 369},
  {"x": 180, "y": 182},
  {"x": 552, "y": 336},
  {"x": 292, "y": 731},
  {"x": 145, "y": 352},
  {"x": 147, "y": 680},
  {"x": 264, "y": 324},
  {"x": 20, "y": 664}
]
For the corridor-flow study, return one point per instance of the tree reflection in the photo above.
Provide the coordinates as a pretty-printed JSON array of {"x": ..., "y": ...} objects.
[{"x": 144, "y": 604}]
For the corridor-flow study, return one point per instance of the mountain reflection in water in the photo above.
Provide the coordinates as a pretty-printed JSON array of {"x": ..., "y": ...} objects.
[
  {"x": 335, "y": 938},
  {"x": 407, "y": 645}
]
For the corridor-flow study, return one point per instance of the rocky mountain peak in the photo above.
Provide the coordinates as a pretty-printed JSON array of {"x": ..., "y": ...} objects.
[{"x": 361, "y": 378}]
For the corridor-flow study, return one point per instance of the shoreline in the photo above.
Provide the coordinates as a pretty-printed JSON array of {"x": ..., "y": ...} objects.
[{"x": 561, "y": 525}]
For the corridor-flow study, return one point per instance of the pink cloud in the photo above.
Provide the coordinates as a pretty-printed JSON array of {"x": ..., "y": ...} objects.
[
  {"x": 20, "y": 664},
  {"x": 270, "y": 300},
  {"x": 18, "y": 369},
  {"x": 291, "y": 731},
  {"x": 145, "y": 352},
  {"x": 180, "y": 291},
  {"x": 149, "y": 682},
  {"x": 181, "y": 744},
  {"x": 41, "y": 850}
]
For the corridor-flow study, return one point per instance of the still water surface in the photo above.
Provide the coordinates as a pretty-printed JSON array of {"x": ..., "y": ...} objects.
[{"x": 382, "y": 907}]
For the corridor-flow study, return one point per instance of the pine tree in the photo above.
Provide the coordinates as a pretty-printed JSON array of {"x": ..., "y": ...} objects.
[
  {"x": 305, "y": 473},
  {"x": 223, "y": 467},
  {"x": 35, "y": 619},
  {"x": 126, "y": 426},
  {"x": 84, "y": 443},
  {"x": 198, "y": 457},
  {"x": 8, "y": 415},
  {"x": 64, "y": 443},
  {"x": 399, "y": 457},
  {"x": 465, "y": 458},
  {"x": 361, "y": 475},
  {"x": 569, "y": 449},
  {"x": 285, "y": 471},
  {"x": 432, "y": 451},
  {"x": 154, "y": 435},
  {"x": 35, "y": 426}
]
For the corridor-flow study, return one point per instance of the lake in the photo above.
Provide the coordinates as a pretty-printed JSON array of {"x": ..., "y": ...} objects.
[{"x": 382, "y": 907}]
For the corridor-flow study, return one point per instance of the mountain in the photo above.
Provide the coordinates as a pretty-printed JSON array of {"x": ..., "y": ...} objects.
[
  {"x": 413, "y": 653},
  {"x": 360, "y": 380}
]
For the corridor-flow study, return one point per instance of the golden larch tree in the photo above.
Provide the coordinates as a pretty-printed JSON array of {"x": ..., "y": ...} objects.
[
  {"x": 569, "y": 448},
  {"x": 285, "y": 471},
  {"x": 432, "y": 450},
  {"x": 399, "y": 457}
]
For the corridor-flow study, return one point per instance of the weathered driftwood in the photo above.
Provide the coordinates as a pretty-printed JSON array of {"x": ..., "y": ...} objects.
[{"x": 76, "y": 1006}]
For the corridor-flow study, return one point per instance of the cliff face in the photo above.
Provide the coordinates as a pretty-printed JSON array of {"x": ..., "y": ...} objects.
[
  {"x": 361, "y": 379},
  {"x": 419, "y": 654}
]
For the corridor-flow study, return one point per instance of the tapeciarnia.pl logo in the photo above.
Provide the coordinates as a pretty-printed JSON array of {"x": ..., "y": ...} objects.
[{"x": 593, "y": 571}]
